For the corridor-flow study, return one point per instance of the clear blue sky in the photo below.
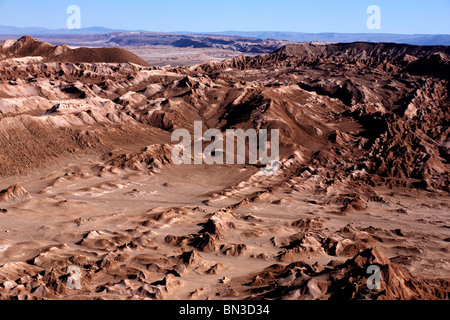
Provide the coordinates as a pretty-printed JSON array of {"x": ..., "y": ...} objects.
[{"x": 397, "y": 16}]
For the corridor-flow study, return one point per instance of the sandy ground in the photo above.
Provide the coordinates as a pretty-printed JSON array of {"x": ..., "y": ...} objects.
[
  {"x": 69, "y": 202},
  {"x": 167, "y": 55}
]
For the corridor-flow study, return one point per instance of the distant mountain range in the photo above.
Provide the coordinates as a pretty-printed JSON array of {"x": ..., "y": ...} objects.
[
  {"x": 8, "y": 30},
  {"x": 414, "y": 39}
]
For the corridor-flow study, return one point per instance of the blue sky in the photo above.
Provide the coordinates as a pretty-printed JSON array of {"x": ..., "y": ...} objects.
[{"x": 397, "y": 16}]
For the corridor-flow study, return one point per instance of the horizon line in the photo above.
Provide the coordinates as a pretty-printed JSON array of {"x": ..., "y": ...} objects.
[{"x": 223, "y": 31}]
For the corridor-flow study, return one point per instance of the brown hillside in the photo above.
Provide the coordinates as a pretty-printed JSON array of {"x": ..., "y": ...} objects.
[
  {"x": 30, "y": 47},
  {"x": 108, "y": 55}
]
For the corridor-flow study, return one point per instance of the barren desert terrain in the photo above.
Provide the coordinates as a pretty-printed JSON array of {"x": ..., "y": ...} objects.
[{"x": 88, "y": 179}]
